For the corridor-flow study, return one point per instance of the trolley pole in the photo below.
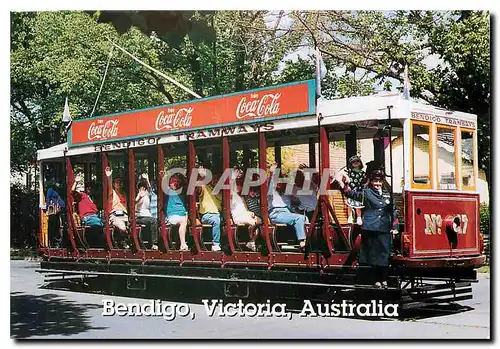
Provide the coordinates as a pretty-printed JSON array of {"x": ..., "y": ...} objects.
[
  {"x": 319, "y": 217},
  {"x": 389, "y": 127}
]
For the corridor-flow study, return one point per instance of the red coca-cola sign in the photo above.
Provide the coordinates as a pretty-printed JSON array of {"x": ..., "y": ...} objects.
[
  {"x": 101, "y": 129},
  {"x": 174, "y": 118},
  {"x": 258, "y": 107},
  {"x": 272, "y": 103}
]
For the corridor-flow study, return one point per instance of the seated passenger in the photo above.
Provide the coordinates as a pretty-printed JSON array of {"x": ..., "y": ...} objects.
[
  {"x": 279, "y": 213},
  {"x": 87, "y": 209},
  {"x": 175, "y": 210},
  {"x": 118, "y": 214},
  {"x": 305, "y": 203},
  {"x": 210, "y": 207},
  {"x": 240, "y": 213},
  {"x": 252, "y": 201},
  {"x": 142, "y": 209}
]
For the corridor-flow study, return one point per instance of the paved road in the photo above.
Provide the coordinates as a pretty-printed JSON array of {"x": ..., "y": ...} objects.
[{"x": 48, "y": 313}]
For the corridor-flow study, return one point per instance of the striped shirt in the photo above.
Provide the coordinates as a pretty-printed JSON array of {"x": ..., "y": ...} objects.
[{"x": 253, "y": 204}]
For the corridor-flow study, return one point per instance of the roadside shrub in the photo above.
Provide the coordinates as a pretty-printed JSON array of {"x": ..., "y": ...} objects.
[
  {"x": 484, "y": 212},
  {"x": 23, "y": 216}
]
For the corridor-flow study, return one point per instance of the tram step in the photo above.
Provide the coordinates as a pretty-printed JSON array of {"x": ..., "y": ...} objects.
[
  {"x": 430, "y": 287},
  {"x": 444, "y": 293},
  {"x": 425, "y": 302}
]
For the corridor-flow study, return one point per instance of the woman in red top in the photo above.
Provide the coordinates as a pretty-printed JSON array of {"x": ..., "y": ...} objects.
[{"x": 87, "y": 210}]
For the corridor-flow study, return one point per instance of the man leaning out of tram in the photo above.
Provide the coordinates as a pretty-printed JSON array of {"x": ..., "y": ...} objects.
[
  {"x": 118, "y": 216},
  {"x": 210, "y": 207},
  {"x": 279, "y": 212},
  {"x": 87, "y": 209},
  {"x": 377, "y": 228},
  {"x": 239, "y": 211},
  {"x": 143, "y": 209},
  {"x": 175, "y": 210}
]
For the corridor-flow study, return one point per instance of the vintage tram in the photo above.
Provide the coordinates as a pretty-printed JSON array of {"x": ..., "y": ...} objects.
[{"x": 430, "y": 153}]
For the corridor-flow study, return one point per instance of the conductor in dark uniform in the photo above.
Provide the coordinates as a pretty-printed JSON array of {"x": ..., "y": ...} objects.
[{"x": 379, "y": 223}]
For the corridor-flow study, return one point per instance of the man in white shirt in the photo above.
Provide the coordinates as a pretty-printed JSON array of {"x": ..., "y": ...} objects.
[{"x": 143, "y": 211}]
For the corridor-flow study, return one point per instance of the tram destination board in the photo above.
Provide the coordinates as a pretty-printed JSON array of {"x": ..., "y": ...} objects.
[{"x": 253, "y": 106}]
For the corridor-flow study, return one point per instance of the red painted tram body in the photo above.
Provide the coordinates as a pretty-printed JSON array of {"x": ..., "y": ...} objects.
[{"x": 435, "y": 188}]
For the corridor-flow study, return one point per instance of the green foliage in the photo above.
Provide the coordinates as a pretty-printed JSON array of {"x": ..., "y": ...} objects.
[
  {"x": 23, "y": 216},
  {"x": 484, "y": 212},
  {"x": 447, "y": 53}
]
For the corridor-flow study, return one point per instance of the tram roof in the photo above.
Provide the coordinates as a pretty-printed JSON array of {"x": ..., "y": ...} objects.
[{"x": 349, "y": 110}]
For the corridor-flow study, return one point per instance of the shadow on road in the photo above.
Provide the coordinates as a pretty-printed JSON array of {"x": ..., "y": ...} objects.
[{"x": 47, "y": 314}]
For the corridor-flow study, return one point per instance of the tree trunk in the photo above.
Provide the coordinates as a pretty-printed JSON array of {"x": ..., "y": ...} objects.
[{"x": 196, "y": 68}]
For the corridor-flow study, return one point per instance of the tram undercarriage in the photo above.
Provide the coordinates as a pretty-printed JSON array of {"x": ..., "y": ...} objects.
[{"x": 409, "y": 289}]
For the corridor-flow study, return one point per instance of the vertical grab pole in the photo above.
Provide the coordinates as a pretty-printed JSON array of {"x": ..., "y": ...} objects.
[
  {"x": 226, "y": 195},
  {"x": 192, "y": 197},
  {"x": 106, "y": 191},
  {"x": 131, "y": 198},
  {"x": 246, "y": 156},
  {"x": 70, "y": 178},
  {"x": 161, "y": 196},
  {"x": 41, "y": 235},
  {"x": 389, "y": 107},
  {"x": 324, "y": 163},
  {"x": 263, "y": 191}
]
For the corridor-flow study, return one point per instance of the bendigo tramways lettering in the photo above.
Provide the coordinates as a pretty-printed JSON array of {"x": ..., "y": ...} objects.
[
  {"x": 447, "y": 120},
  {"x": 434, "y": 223},
  {"x": 127, "y": 144},
  {"x": 226, "y": 131}
]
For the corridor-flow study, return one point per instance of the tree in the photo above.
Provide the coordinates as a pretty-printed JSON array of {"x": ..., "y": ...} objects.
[
  {"x": 59, "y": 54},
  {"x": 382, "y": 43}
]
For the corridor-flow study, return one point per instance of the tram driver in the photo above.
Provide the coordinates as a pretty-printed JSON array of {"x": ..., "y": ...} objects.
[
  {"x": 377, "y": 228},
  {"x": 279, "y": 212}
]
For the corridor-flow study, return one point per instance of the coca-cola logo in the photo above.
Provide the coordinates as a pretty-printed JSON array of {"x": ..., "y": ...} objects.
[
  {"x": 172, "y": 119},
  {"x": 258, "y": 107},
  {"x": 103, "y": 130}
]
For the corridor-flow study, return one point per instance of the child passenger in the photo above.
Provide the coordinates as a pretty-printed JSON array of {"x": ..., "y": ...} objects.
[{"x": 357, "y": 177}]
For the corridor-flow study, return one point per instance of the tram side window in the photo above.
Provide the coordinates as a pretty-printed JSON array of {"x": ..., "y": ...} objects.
[
  {"x": 467, "y": 161},
  {"x": 446, "y": 158},
  {"x": 421, "y": 155}
]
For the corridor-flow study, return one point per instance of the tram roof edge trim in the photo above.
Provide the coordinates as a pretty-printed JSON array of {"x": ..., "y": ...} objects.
[{"x": 253, "y": 106}]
